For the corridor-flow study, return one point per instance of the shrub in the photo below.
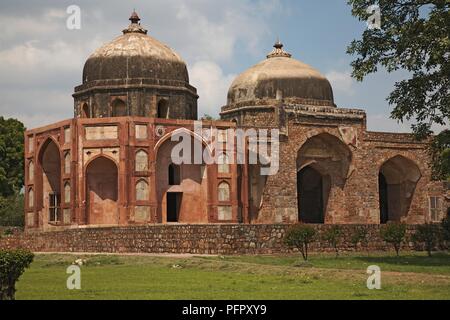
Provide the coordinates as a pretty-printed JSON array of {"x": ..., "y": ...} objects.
[
  {"x": 394, "y": 233},
  {"x": 300, "y": 236},
  {"x": 428, "y": 235},
  {"x": 446, "y": 228},
  {"x": 8, "y": 232},
  {"x": 12, "y": 265},
  {"x": 360, "y": 235},
  {"x": 12, "y": 211},
  {"x": 333, "y": 236}
]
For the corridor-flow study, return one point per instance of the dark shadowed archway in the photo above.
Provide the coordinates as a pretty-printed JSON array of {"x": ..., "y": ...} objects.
[
  {"x": 310, "y": 186},
  {"x": 398, "y": 179},
  {"x": 323, "y": 164}
]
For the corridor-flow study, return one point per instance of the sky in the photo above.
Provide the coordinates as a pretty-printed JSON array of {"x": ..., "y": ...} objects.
[{"x": 41, "y": 60}]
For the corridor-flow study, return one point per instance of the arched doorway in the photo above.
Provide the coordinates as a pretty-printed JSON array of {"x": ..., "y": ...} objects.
[
  {"x": 119, "y": 108},
  {"x": 163, "y": 109},
  {"x": 182, "y": 189},
  {"x": 323, "y": 164},
  {"x": 310, "y": 196},
  {"x": 398, "y": 179},
  {"x": 102, "y": 192},
  {"x": 50, "y": 161},
  {"x": 85, "y": 112}
]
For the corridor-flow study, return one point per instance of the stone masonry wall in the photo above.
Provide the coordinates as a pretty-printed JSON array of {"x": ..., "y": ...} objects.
[{"x": 191, "y": 239}]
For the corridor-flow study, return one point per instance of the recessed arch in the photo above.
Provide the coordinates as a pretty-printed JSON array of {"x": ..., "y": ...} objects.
[
  {"x": 119, "y": 108},
  {"x": 184, "y": 132},
  {"x": 141, "y": 161},
  {"x": 323, "y": 167},
  {"x": 397, "y": 182},
  {"x": 67, "y": 163},
  {"x": 163, "y": 111},
  {"x": 50, "y": 173},
  {"x": 223, "y": 162},
  {"x": 102, "y": 191},
  {"x": 30, "y": 198},
  {"x": 31, "y": 171},
  {"x": 67, "y": 192},
  {"x": 142, "y": 190},
  {"x": 85, "y": 111},
  {"x": 186, "y": 200},
  {"x": 224, "y": 192}
]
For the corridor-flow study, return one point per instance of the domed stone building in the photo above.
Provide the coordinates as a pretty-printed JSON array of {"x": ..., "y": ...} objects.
[{"x": 112, "y": 164}]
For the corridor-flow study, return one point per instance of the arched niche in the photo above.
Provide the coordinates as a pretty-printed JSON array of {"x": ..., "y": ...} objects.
[
  {"x": 398, "y": 178},
  {"x": 323, "y": 164},
  {"x": 119, "y": 108},
  {"x": 102, "y": 192},
  {"x": 181, "y": 188},
  {"x": 50, "y": 163}
]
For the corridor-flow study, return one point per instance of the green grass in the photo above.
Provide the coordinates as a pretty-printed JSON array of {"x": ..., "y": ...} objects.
[{"x": 247, "y": 277}]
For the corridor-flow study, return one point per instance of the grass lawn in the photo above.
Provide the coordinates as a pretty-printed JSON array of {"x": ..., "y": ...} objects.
[{"x": 412, "y": 276}]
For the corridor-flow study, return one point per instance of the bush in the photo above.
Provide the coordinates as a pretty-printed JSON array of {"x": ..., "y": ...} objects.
[
  {"x": 12, "y": 211},
  {"x": 394, "y": 233},
  {"x": 360, "y": 235},
  {"x": 333, "y": 236},
  {"x": 428, "y": 235},
  {"x": 12, "y": 265},
  {"x": 446, "y": 228},
  {"x": 300, "y": 236}
]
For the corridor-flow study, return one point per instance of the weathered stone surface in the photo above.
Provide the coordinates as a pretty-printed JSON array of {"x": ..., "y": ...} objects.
[{"x": 195, "y": 239}]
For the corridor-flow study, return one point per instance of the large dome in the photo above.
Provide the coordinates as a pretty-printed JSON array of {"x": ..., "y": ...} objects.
[
  {"x": 135, "y": 55},
  {"x": 281, "y": 76}
]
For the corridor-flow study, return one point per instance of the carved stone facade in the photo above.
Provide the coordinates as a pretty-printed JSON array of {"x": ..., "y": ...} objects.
[{"x": 112, "y": 164}]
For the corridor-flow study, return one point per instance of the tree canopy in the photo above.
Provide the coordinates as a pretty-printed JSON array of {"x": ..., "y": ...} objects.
[
  {"x": 414, "y": 36},
  {"x": 11, "y": 156}
]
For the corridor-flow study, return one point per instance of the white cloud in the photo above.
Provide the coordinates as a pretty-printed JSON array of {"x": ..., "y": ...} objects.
[
  {"x": 342, "y": 82},
  {"x": 212, "y": 86},
  {"x": 41, "y": 61}
]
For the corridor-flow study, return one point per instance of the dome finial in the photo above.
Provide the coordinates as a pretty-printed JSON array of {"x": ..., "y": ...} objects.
[
  {"x": 134, "y": 17},
  {"x": 135, "y": 26},
  {"x": 278, "y": 51}
]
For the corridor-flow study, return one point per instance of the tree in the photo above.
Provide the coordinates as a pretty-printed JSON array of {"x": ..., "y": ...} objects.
[
  {"x": 446, "y": 228},
  {"x": 11, "y": 155},
  {"x": 12, "y": 265},
  {"x": 300, "y": 236},
  {"x": 207, "y": 117},
  {"x": 359, "y": 235},
  {"x": 414, "y": 36},
  {"x": 428, "y": 235},
  {"x": 333, "y": 236},
  {"x": 11, "y": 211},
  {"x": 440, "y": 154},
  {"x": 394, "y": 233}
]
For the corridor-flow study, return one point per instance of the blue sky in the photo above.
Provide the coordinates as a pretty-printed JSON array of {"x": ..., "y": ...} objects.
[{"x": 41, "y": 61}]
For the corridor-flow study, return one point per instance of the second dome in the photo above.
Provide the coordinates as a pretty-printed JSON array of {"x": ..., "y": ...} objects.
[{"x": 281, "y": 77}]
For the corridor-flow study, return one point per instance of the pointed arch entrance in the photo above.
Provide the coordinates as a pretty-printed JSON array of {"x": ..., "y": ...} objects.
[
  {"x": 181, "y": 188},
  {"x": 102, "y": 192},
  {"x": 398, "y": 178},
  {"x": 50, "y": 179},
  {"x": 323, "y": 164}
]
